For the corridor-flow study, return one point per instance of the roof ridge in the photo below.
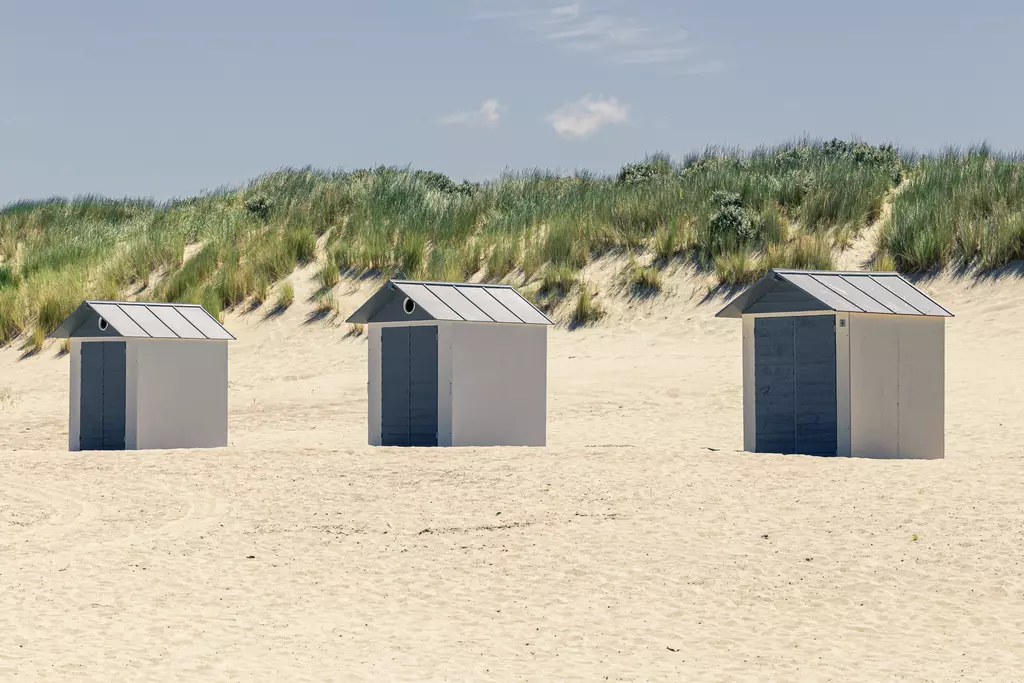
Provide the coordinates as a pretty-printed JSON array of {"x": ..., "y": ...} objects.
[
  {"x": 453, "y": 284},
  {"x": 837, "y": 272},
  {"x": 142, "y": 303}
]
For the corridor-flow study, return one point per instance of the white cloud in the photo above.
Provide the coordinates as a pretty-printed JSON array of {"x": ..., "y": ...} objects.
[
  {"x": 587, "y": 116},
  {"x": 605, "y": 34},
  {"x": 487, "y": 116}
]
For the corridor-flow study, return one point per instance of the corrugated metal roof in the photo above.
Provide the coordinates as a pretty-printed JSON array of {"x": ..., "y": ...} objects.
[
  {"x": 145, "y": 320},
  {"x": 847, "y": 292},
  {"x": 458, "y": 301}
]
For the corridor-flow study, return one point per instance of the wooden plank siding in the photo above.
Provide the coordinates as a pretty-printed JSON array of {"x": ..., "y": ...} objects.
[{"x": 795, "y": 384}]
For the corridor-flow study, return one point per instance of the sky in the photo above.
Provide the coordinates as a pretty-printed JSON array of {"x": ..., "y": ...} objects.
[{"x": 128, "y": 98}]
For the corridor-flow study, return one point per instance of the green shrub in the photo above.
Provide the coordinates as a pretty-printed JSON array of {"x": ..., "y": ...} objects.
[
  {"x": 258, "y": 206},
  {"x": 885, "y": 156},
  {"x": 657, "y": 167},
  {"x": 730, "y": 225}
]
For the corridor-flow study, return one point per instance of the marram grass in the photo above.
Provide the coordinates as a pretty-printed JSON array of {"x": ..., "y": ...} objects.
[{"x": 732, "y": 213}]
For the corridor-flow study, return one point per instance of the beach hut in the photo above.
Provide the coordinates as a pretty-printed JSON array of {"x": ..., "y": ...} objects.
[
  {"x": 146, "y": 375},
  {"x": 847, "y": 364},
  {"x": 454, "y": 364}
]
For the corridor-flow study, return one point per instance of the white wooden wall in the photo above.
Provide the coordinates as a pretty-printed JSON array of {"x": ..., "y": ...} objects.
[
  {"x": 181, "y": 393},
  {"x": 897, "y": 388},
  {"x": 922, "y": 387},
  {"x": 499, "y": 384}
]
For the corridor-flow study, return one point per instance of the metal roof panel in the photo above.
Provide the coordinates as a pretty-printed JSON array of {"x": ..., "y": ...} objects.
[
  {"x": 452, "y": 297},
  {"x": 203, "y": 321},
  {"x": 869, "y": 285},
  {"x": 177, "y": 322},
  {"x": 849, "y": 291},
  {"x": 489, "y": 305},
  {"x": 118, "y": 319},
  {"x": 913, "y": 296},
  {"x": 824, "y": 294},
  {"x": 522, "y": 308},
  {"x": 141, "y": 314}
]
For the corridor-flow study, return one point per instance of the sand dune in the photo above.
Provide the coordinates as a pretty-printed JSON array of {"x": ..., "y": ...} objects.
[{"x": 640, "y": 545}]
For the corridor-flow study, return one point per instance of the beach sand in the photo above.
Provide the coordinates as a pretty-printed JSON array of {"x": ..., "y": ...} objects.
[{"x": 640, "y": 545}]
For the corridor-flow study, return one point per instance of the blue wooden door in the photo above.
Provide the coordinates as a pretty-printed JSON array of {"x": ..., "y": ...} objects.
[
  {"x": 795, "y": 385},
  {"x": 409, "y": 386},
  {"x": 815, "y": 379},
  {"x": 102, "y": 398}
]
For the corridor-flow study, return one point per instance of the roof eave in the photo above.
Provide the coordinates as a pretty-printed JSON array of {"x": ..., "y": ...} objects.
[
  {"x": 71, "y": 323},
  {"x": 365, "y": 313},
  {"x": 735, "y": 308}
]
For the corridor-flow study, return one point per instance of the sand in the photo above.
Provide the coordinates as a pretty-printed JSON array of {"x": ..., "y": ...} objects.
[{"x": 640, "y": 545}]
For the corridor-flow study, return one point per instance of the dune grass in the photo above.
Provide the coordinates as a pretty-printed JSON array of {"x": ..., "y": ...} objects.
[
  {"x": 641, "y": 281},
  {"x": 587, "y": 309},
  {"x": 729, "y": 212},
  {"x": 964, "y": 208},
  {"x": 285, "y": 296}
]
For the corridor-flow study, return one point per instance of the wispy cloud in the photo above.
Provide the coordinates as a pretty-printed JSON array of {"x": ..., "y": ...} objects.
[
  {"x": 487, "y": 116},
  {"x": 587, "y": 116},
  {"x": 607, "y": 35}
]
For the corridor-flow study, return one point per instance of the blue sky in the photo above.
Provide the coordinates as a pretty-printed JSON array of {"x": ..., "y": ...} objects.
[{"x": 121, "y": 97}]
